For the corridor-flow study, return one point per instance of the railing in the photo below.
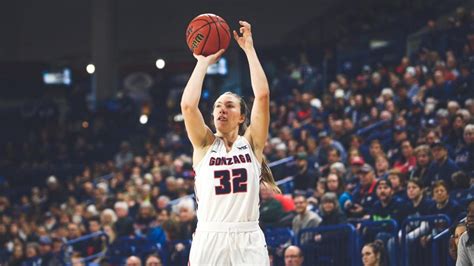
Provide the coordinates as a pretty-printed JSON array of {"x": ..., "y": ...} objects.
[
  {"x": 66, "y": 259},
  {"x": 417, "y": 238},
  {"x": 329, "y": 245},
  {"x": 386, "y": 230}
]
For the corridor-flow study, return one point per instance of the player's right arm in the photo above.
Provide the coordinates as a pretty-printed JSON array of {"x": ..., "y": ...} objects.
[{"x": 199, "y": 134}]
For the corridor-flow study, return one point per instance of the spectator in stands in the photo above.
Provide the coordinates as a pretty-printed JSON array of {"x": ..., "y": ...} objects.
[
  {"x": 465, "y": 155},
  {"x": 381, "y": 166},
  {"x": 187, "y": 218},
  {"x": 293, "y": 256},
  {"x": 374, "y": 254},
  {"x": 419, "y": 204},
  {"x": 461, "y": 185},
  {"x": 45, "y": 250},
  {"x": 423, "y": 160},
  {"x": 364, "y": 194},
  {"x": 355, "y": 164},
  {"x": 32, "y": 254},
  {"x": 375, "y": 149},
  {"x": 442, "y": 166},
  {"x": 18, "y": 255},
  {"x": 96, "y": 244},
  {"x": 305, "y": 176},
  {"x": 387, "y": 206},
  {"x": 397, "y": 179},
  {"x": 124, "y": 223},
  {"x": 271, "y": 210},
  {"x": 406, "y": 160},
  {"x": 465, "y": 245},
  {"x": 336, "y": 185},
  {"x": 146, "y": 215},
  {"x": 444, "y": 204},
  {"x": 133, "y": 261},
  {"x": 108, "y": 217},
  {"x": 459, "y": 229},
  {"x": 153, "y": 260},
  {"x": 331, "y": 211},
  {"x": 304, "y": 218},
  {"x": 326, "y": 142}
]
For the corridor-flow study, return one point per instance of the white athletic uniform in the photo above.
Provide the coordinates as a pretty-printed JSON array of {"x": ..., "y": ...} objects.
[{"x": 227, "y": 188}]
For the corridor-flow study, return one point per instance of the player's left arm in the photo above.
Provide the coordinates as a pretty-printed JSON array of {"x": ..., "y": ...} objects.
[{"x": 257, "y": 132}]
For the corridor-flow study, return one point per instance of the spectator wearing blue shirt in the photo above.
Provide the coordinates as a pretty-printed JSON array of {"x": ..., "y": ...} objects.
[
  {"x": 387, "y": 205},
  {"x": 442, "y": 167},
  {"x": 326, "y": 142},
  {"x": 444, "y": 204}
]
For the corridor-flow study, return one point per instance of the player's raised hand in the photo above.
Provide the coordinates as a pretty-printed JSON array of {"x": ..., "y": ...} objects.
[
  {"x": 244, "y": 40},
  {"x": 210, "y": 59}
]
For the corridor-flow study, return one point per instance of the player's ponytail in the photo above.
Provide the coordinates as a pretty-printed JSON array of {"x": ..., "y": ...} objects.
[{"x": 267, "y": 177}]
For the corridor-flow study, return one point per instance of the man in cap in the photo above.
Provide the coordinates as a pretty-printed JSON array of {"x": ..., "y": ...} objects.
[
  {"x": 442, "y": 167},
  {"x": 364, "y": 194}
]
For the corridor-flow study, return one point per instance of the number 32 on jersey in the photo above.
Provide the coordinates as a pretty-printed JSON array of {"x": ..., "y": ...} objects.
[{"x": 231, "y": 181}]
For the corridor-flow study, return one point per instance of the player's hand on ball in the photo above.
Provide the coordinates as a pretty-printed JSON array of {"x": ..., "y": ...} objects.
[
  {"x": 210, "y": 59},
  {"x": 245, "y": 41}
]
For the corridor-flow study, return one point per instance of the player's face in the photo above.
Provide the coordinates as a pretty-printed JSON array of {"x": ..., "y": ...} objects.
[{"x": 227, "y": 114}]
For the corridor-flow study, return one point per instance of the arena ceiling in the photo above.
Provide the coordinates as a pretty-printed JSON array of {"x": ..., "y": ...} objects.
[{"x": 61, "y": 30}]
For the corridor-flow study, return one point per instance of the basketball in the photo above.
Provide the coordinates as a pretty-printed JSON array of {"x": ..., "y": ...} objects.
[{"x": 206, "y": 34}]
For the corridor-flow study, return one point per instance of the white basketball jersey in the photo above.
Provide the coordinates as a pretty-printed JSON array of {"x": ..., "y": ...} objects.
[{"x": 227, "y": 183}]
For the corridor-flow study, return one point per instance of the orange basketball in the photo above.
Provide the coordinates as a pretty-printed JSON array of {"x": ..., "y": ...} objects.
[{"x": 206, "y": 34}]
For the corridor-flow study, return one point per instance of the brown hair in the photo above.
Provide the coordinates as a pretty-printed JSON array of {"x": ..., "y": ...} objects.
[{"x": 267, "y": 177}]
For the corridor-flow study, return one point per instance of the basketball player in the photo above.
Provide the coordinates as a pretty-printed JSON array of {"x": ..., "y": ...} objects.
[{"x": 229, "y": 164}]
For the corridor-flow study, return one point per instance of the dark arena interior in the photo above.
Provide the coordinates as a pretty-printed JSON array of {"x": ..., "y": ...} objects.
[{"x": 370, "y": 137}]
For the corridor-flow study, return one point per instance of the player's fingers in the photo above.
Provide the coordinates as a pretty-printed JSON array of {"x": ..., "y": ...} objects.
[
  {"x": 236, "y": 36},
  {"x": 245, "y": 24}
]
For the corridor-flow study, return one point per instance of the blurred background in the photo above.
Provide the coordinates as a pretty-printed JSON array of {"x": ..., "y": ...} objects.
[{"x": 91, "y": 124}]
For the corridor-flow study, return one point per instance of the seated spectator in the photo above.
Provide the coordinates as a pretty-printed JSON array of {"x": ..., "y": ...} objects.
[
  {"x": 153, "y": 260},
  {"x": 461, "y": 184},
  {"x": 330, "y": 210},
  {"x": 304, "y": 217},
  {"x": 387, "y": 206},
  {"x": 397, "y": 179},
  {"x": 465, "y": 155},
  {"x": 374, "y": 254},
  {"x": 444, "y": 205},
  {"x": 187, "y": 218},
  {"x": 407, "y": 160},
  {"x": 382, "y": 166},
  {"x": 46, "y": 249},
  {"x": 419, "y": 204},
  {"x": 293, "y": 256},
  {"x": 423, "y": 160},
  {"x": 305, "y": 176},
  {"x": 271, "y": 210},
  {"x": 465, "y": 245},
  {"x": 442, "y": 166},
  {"x": 364, "y": 194},
  {"x": 336, "y": 185},
  {"x": 133, "y": 261}
]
